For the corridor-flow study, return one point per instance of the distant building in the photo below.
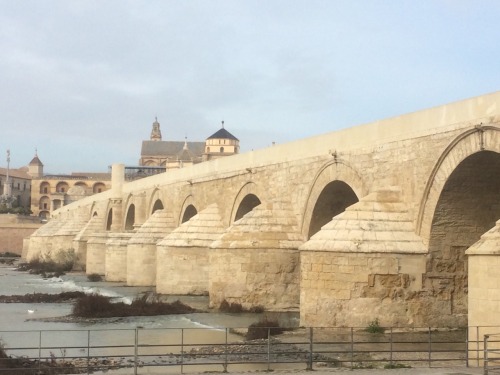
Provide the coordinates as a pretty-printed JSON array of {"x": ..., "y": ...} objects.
[
  {"x": 20, "y": 185},
  {"x": 179, "y": 154},
  {"x": 50, "y": 192}
]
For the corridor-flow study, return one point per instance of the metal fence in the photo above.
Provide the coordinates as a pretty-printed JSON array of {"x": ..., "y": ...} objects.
[
  {"x": 182, "y": 350},
  {"x": 491, "y": 353}
]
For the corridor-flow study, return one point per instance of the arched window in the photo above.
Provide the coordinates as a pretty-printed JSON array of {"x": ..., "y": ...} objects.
[
  {"x": 157, "y": 206},
  {"x": 44, "y": 187},
  {"x": 189, "y": 213},
  {"x": 99, "y": 187},
  {"x": 62, "y": 187},
  {"x": 221, "y": 150},
  {"x": 109, "y": 222},
  {"x": 130, "y": 219},
  {"x": 247, "y": 204}
]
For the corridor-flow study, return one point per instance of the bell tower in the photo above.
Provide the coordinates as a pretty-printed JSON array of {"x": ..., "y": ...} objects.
[
  {"x": 156, "y": 132},
  {"x": 35, "y": 167}
]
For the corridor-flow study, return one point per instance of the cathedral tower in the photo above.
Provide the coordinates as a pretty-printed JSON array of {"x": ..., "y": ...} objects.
[{"x": 156, "y": 132}]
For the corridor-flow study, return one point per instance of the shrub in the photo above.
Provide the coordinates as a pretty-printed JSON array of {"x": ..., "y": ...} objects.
[
  {"x": 230, "y": 307},
  {"x": 235, "y": 308},
  {"x": 396, "y": 365},
  {"x": 47, "y": 268},
  {"x": 262, "y": 329},
  {"x": 97, "y": 306},
  {"x": 374, "y": 327},
  {"x": 94, "y": 277}
]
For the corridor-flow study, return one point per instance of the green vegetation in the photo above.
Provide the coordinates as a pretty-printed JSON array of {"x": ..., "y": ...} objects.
[
  {"x": 97, "y": 306},
  {"x": 94, "y": 277},
  {"x": 263, "y": 328},
  {"x": 374, "y": 327},
  {"x": 50, "y": 268},
  {"x": 42, "y": 297},
  {"x": 15, "y": 209},
  {"x": 396, "y": 365},
  {"x": 8, "y": 254},
  {"x": 235, "y": 308}
]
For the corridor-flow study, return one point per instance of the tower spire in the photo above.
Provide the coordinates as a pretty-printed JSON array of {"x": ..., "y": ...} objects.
[{"x": 156, "y": 132}]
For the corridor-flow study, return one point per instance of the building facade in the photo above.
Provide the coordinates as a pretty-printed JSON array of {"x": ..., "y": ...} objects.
[
  {"x": 50, "y": 192},
  {"x": 20, "y": 185},
  {"x": 179, "y": 154}
]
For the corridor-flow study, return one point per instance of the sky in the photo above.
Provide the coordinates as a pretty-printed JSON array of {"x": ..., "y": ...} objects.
[{"x": 81, "y": 81}]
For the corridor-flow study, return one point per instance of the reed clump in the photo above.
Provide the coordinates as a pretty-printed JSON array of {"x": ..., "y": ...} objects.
[{"x": 97, "y": 306}]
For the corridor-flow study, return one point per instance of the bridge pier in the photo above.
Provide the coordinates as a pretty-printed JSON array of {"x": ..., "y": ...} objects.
[
  {"x": 40, "y": 244},
  {"x": 183, "y": 255},
  {"x": 256, "y": 262},
  {"x": 115, "y": 262},
  {"x": 142, "y": 249},
  {"x": 366, "y": 264},
  {"x": 96, "y": 253},
  {"x": 484, "y": 289},
  {"x": 94, "y": 225}
]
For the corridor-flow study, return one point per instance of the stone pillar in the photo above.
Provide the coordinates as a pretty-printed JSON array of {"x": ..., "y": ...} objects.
[
  {"x": 140, "y": 210},
  {"x": 117, "y": 180},
  {"x": 115, "y": 265},
  {"x": 96, "y": 253},
  {"x": 484, "y": 292},
  {"x": 117, "y": 218}
]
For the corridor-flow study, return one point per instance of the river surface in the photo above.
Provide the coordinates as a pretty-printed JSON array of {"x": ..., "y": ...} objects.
[{"x": 21, "y": 324}]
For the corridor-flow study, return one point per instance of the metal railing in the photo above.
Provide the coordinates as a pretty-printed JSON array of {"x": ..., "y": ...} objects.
[
  {"x": 491, "y": 353},
  {"x": 181, "y": 350}
]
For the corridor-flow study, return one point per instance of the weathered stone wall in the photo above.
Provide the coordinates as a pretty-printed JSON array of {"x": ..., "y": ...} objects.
[
  {"x": 12, "y": 234},
  {"x": 338, "y": 289},
  {"x": 96, "y": 254},
  {"x": 115, "y": 262},
  {"x": 418, "y": 154},
  {"x": 261, "y": 277},
  {"x": 183, "y": 270}
]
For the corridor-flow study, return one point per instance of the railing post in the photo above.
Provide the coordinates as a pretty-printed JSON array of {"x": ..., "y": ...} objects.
[
  {"x": 40, "y": 351},
  {"x": 88, "y": 352},
  {"x": 136, "y": 349},
  {"x": 477, "y": 346},
  {"x": 467, "y": 346},
  {"x": 390, "y": 361},
  {"x": 182, "y": 350},
  {"x": 430, "y": 347},
  {"x": 310, "y": 359},
  {"x": 485, "y": 354},
  {"x": 268, "y": 349},
  {"x": 225, "y": 355},
  {"x": 352, "y": 348}
]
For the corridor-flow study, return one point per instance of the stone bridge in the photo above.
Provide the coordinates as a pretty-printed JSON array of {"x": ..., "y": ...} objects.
[{"x": 380, "y": 221}]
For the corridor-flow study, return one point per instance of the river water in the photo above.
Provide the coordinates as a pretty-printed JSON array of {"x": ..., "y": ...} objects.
[{"x": 26, "y": 324}]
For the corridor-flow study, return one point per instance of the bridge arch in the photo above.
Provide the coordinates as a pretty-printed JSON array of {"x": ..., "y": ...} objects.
[
  {"x": 109, "y": 220},
  {"x": 155, "y": 202},
  {"x": 188, "y": 209},
  {"x": 460, "y": 203},
  {"x": 335, "y": 187},
  {"x": 130, "y": 217},
  {"x": 481, "y": 138},
  {"x": 246, "y": 200}
]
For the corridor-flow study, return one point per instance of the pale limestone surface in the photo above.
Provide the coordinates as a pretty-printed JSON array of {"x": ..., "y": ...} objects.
[
  {"x": 115, "y": 262},
  {"x": 183, "y": 255},
  {"x": 96, "y": 253},
  {"x": 142, "y": 250},
  {"x": 441, "y": 165},
  {"x": 366, "y": 255},
  {"x": 94, "y": 225},
  {"x": 484, "y": 285},
  {"x": 256, "y": 262}
]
